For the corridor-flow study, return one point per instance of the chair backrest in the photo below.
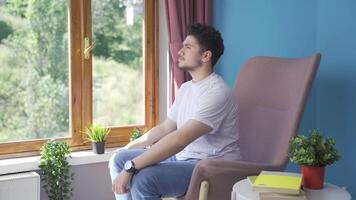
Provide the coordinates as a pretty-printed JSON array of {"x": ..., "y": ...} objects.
[{"x": 271, "y": 94}]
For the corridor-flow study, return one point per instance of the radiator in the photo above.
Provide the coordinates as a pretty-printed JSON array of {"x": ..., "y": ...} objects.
[{"x": 22, "y": 186}]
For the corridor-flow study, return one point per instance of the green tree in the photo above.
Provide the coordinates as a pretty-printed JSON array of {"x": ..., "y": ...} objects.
[
  {"x": 5, "y": 30},
  {"x": 17, "y": 7},
  {"x": 41, "y": 99},
  {"x": 11, "y": 103},
  {"x": 34, "y": 65},
  {"x": 114, "y": 39}
]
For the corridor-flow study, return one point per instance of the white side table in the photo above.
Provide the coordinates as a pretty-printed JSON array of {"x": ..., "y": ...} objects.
[{"x": 242, "y": 190}]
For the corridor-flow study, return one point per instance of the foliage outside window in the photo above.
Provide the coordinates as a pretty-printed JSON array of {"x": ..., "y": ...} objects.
[
  {"x": 117, "y": 62},
  {"x": 43, "y": 81},
  {"x": 34, "y": 74}
]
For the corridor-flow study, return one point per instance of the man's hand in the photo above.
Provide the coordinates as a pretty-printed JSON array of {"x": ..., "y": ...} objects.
[
  {"x": 121, "y": 182},
  {"x": 172, "y": 143}
]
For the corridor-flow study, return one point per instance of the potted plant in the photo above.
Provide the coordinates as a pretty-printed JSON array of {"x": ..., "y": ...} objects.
[
  {"x": 135, "y": 133},
  {"x": 55, "y": 170},
  {"x": 97, "y": 135},
  {"x": 313, "y": 153}
]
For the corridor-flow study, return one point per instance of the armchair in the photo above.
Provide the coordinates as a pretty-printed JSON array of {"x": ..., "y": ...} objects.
[{"x": 271, "y": 94}]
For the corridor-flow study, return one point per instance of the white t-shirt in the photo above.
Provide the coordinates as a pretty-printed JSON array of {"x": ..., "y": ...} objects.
[{"x": 208, "y": 101}]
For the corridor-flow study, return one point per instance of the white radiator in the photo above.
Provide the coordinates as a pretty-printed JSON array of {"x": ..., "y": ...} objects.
[{"x": 22, "y": 186}]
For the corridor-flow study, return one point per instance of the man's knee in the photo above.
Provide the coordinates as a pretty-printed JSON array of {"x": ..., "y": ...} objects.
[
  {"x": 120, "y": 157},
  {"x": 112, "y": 161}
]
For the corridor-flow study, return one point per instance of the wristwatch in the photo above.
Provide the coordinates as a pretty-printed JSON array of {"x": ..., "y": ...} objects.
[{"x": 130, "y": 166}]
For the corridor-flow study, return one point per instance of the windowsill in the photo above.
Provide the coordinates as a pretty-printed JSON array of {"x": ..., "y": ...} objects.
[{"x": 15, "y": 165}]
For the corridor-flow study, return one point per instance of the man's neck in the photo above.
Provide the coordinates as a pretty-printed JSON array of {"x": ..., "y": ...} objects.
[{"x": 201, "y": 73}]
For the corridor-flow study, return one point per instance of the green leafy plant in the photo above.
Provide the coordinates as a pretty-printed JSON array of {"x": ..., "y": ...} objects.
[
  {"x": 136, "y": 133},
  {"x": 5, "y": 30},
  {"x": 55, "y": 170},
  {"x": 314, "y": 150},
  {"x": 97, "y": 133}
]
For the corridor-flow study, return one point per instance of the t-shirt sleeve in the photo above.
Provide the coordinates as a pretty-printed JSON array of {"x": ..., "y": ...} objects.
[
  {"x": 211, "y": 109},
  {"x": 173, "y": 110}
]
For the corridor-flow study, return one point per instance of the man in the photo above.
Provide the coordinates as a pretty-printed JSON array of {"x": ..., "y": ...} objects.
[{"x": 202, "y": 123}]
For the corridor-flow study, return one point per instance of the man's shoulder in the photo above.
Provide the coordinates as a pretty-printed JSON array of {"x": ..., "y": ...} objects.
[
  {"x": 185, "y": 85},
  {"x": 219, "y": 86},
  {"x": 217, "y": 95}
]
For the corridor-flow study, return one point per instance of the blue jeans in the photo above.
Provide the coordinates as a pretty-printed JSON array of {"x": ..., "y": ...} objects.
[{"x": 169, "y": 178}]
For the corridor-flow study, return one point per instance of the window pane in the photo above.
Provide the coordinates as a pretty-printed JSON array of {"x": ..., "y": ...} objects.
[
  {"x": 118, "y": 93},
  {"x": 34, "y": 69}
]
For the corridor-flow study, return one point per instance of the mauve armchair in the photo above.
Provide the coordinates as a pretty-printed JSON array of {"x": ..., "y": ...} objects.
[{"x": 271, "y": 94}]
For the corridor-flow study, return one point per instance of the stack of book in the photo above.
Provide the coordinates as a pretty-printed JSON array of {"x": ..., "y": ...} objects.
[{"x": 278, "y": 185}]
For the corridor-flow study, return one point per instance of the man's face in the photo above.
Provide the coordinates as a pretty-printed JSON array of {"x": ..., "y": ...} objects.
[{"x": 190, "y": 56}]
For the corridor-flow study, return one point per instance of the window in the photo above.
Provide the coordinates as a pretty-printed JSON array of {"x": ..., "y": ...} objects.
[{"x": 53, "y": 85}]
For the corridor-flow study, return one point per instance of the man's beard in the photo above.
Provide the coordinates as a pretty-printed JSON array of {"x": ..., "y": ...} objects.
[
  {"x": 184, "y": 68},
  {"x": 188, "y": 68}
]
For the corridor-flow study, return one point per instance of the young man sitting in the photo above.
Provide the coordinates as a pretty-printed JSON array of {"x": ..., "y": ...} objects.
[{"x": 202, "y": 123}]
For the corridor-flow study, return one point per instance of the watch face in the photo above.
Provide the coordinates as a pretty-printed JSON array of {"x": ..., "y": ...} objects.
[{"x": 128, "y": 165}]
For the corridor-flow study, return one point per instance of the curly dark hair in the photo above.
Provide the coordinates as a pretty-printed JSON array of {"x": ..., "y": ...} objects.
[{"x": 209, "y": 39}]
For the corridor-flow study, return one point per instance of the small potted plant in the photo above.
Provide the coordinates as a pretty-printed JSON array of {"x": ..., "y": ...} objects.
[
  {"x": 313, "y": 153},
  {"x": 135, "y": 133},
  {"x": 56, "y": 172},
  {"x": 97, "y": 135}
]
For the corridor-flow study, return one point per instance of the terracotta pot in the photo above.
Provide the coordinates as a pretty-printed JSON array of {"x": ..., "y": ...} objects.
[
  {"x": 98, "y": 147},
  {"x": 313, "y": 177}
]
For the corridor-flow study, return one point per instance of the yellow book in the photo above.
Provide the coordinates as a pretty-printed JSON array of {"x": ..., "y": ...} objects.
[
  {"x": 251, "y": 179},
  {"x": 280, "y": 182},
  {"x": 278, "y": 196}
]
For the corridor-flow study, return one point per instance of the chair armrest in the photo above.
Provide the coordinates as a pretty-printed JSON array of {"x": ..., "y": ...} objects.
[{"x": 222, "y": 175}]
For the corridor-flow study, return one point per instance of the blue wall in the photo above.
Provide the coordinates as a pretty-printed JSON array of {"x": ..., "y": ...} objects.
[{"x": 297, "y": 28}]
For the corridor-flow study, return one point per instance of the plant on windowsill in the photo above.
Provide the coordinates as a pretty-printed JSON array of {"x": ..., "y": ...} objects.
[
  {"x": 97, "y": 135},
  {"x": 135, "y": 133},
  {"x": 313, "y": 153},
  {"x": 55, "y": 170}
]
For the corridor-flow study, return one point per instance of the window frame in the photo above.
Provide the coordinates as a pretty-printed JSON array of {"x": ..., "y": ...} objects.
[{"x": 80, "y": 83}]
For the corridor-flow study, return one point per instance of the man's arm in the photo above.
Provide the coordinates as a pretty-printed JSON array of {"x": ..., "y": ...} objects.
[
  {"x": 164, "y": 148},
  {"x": 152, "y": 136},
  {"x": 172, "y": 143}
]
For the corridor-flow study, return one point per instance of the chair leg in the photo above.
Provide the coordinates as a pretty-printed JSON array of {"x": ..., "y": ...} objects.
[{"x": 204, "y": 189}]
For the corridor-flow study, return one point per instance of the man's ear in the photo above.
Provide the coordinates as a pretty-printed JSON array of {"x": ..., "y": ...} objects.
[{"x": 206, "y": 56}]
